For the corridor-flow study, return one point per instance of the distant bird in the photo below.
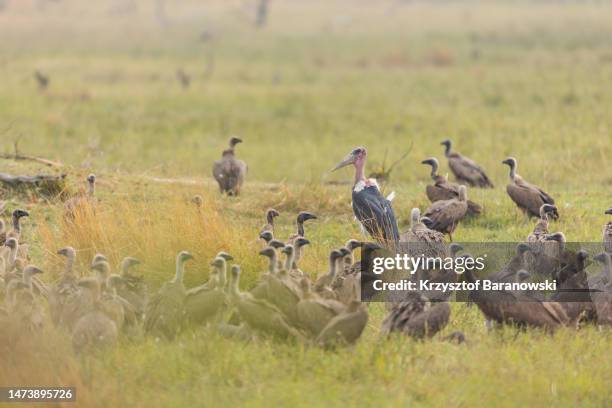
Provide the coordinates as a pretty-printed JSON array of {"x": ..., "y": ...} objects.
[
  {"x": 465, "y": 170},
  {"x": 165, "y": 312},
  {"x": 41, "y": 79},
  {"x": 442, "y": 189},
  {"x": 83, "y": 202},
  {"x": 607, "y": 233},
  {"x": 528, "y": 197},
  {"x": 269, "y": 225},
  {"x": 416, "y": 317},
  {"x": 229, "y": 171},
  {"x": 94, "y": 330},
  {"x": 446, "y": 214},
  {"x": 183, "y": 78},
  {"x": 346, "y": 328},
  {"x": 372, "y": 210}
]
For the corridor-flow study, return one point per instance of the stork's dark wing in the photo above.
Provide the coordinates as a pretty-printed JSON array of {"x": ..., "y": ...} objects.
[{"x": 375, "y": 213}]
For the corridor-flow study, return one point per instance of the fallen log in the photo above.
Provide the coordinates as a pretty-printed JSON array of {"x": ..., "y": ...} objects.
[{"x": 47, "y": 185}]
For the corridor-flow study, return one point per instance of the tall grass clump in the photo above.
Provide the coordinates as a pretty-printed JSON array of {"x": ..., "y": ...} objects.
[{"x": 154, "y": 231}]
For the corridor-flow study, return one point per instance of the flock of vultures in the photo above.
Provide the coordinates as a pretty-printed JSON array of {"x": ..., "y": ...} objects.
[{"x": 97, "y": 306}]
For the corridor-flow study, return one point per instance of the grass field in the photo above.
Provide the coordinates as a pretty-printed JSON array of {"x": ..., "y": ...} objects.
[{"x": 531, "y": 80}]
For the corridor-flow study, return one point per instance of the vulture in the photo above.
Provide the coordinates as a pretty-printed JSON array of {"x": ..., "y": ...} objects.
[
  {"x": 323, "y": 284},
  {"x": 517, "y": 308},
  {"x": 18, "y": 214},
  {"x": 132, "y": 287},
  {"x": 371, "y": 208},
  {"x": 573, "y": 291},
  {"x": 266, "y": 236},
  {"x": 269, "y": 225},
  {"x": 302, "y": 217},
  {"x": 314, "y": 312},
  {"x": 229, "y": 171},
  {"x": 259, "y": 314},
  {"x": 416, "y": 317},
  {"x": 94, "y": 330},
  {"x": 466, "y": 170},
  {"x": 346, "y": 327},
  {"x": 541, "y": 228},
  {"x": 528, "y": 198},
  {"x": 41, "y": 79},
  {"x": 22, "y": 303},
  {"x": 81, "y": 202},
  {"x": 607, "y": 233},
  {"x": 283, "y": 292},
  {"x": 204, "y": 304},
  {"x": 66, "y": 287},
  {"x": 165, "y": 311},
  {"x": 446, "y": 214},
  {"x": 442, "y": 189}
]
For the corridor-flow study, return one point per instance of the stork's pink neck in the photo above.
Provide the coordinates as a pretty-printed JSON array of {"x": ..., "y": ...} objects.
[{"x": 360, "y": 172}]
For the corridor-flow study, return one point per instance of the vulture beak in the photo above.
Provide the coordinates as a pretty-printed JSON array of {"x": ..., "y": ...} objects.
[
  {"x": 428, "y": 222},
  {"x": 308, "y": 216},
  {"x": 428, "y": 161},
  {"x": 609, "y": 211},
  {"x": 507, "y": 162},
  {"x": 349, "y": 159}
]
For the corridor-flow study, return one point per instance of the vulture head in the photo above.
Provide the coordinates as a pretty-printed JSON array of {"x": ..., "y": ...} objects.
[
  {"x": 234, "y": 141},
  {"x": 353, "y": 244},
  {"x": 511, "y": 162},
  {"x": 268, "y": 252},
  {"x": 271, "y": 214},
  {"x": 266, "y": 236},
  {"x": 305, "y": 216},
  {"x": 184, "y": 256},
  {"x": 288, "y": 250},
  {"x": 225, "y": 256},
  {"x": 356, "y": 157},
  {"x": 68, "y": 252},
  {"x": 18, "y": 213},
  {"x": 11, "y": 243},
  {"x": 433, "y": 162},
  {"x": 91, "y": 179},
  {"x": 447, "y": 144},
  {"x": 98, "y": 258},
  {"x": 128, "y": 262},
  {"x": 557, "y": 236},
  {"x": 218, "y": 262},
  {"x": 300, "y": 242},
  {"x": 454, "y": 248},
  {"x": 546, "y": 209},
  {"x": 276, "y": 244},
  {"x": 603, "y": 257},
  {"x": 522, "y": 276}
]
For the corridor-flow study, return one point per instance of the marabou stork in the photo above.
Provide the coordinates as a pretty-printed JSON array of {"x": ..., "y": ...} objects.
[{"x": 371, "y": 208}]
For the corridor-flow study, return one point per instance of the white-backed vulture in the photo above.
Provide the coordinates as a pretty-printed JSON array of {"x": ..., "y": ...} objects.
[
  {"x": 204, "y": 304},
  {"x": 15, "y": 232},
  {"x": 94, "y": 330},
  {"x": 416, "y": 317},
  {"x": 446, "y": 214},
  {"x": 165, "y": 311},
  {"x": 229, "y": 171},
  {"x": 442, "y": 189},
  {"x": 259, "y": 314},
  {"x": 466, "y": 170},
  {"x": 315, "y": 312},
  {"x": 528, "y": 197},
  {"x": 269, "y": 225},
  {"x": 346, "y": 327}
]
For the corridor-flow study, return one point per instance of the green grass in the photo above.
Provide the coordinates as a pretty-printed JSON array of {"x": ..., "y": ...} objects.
[{"x": 503, "y": 78}]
